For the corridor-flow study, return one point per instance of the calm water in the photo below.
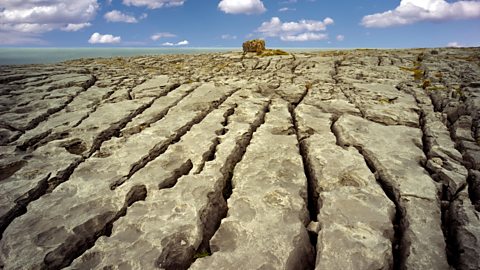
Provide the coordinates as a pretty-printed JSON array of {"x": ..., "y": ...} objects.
[{"x": 17, "y": 56}]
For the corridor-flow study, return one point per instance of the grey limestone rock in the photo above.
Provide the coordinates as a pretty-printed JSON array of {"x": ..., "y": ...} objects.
[{"x": 351, "y": 159}]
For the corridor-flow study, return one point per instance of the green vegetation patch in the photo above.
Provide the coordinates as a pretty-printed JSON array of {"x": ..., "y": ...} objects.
[
  {"x": 385, "y": 100},
  {"x": 202, "y": 254}
]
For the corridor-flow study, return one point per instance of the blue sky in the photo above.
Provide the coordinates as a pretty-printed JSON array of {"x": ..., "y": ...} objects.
[{"x": 227, "y": 23}]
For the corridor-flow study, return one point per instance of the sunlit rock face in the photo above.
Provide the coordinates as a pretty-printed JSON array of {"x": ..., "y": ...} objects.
[{"x": 362, "y": 159}]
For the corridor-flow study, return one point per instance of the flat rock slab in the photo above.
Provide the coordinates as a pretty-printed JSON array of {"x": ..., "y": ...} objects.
[
  {"x": 356, "y": 216},
  {"x": 266, "y": 212},
  {"x": 352, "y": 159}
]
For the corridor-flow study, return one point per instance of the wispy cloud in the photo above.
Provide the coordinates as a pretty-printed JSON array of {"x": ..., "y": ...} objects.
[
  {"x": 227, "y": 36},
  {"x": 455, "y": 44},
  {"x": 285, "y": 9},
  {"x": 158, "y": 36},
  {"x": 154, "y": 4}
]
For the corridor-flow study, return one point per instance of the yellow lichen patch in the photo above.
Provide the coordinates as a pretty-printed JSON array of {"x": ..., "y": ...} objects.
[
  {"x": 425, "y": 84},
  {"x": 270, "y": 52},
  {"x": 386, "y": 100},
  {"x": 308, "y": 85},
  {"x": 222, "y": 65},
  {"x": 334, "y": 53},
  {"x": 436, "y": 88},
  {"x": 459, "y": 91},
  {"x": 417, "y": 72}
]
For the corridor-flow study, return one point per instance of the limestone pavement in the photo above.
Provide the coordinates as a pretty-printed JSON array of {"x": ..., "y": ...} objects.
[{"x": 361, "y": 159}]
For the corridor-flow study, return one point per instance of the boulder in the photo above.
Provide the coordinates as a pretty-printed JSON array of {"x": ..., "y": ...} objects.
[{"x": 256, "y": 45}]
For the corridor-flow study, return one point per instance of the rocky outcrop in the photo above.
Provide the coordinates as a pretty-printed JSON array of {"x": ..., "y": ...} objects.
[
  {"x": 256, "y": 46},
  {"x": 363, "y": 159}
]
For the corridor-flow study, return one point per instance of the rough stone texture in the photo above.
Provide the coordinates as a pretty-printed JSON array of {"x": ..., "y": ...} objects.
[
  {"x": 255, "y": 46},
  {"x": 267, "y": 211},
  {"x": 396, "y": 154},
  {"x": 364, "y": 159},
  {"x": 355, "y": 216}
]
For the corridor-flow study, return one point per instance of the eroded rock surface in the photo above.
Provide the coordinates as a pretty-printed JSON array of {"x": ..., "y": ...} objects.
[{"x": 365, "y": 159}]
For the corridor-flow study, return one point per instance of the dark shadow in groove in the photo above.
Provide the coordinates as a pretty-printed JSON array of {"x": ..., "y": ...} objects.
[
  {"x": 400, "y": 247},
  {"x": 312, "y": 202},
  {"x": 218, "y": 209},
  {"x": 85, "y": 235}
]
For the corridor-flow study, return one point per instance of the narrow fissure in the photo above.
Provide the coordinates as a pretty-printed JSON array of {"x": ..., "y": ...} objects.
[
  {"x": 217, "y": 209},
  {"x": 448, "y": 198},
  {"x": 399, "y": 245},
  {"x": 35, "y": 122},
  {"x": 48, "y": 184},
  {"x": 20, "y": 207},
  {"x": 177, "y": 174},
  {"x": 334, "y": 120},
  {"x": 312, "y": 200},
  {"x": 210, "y": 154},
  {"x": 161, "y": 147},
  {"x": 115, "y": 129},
  {"x": 268, "y": 64},
  {"x": 94, "y": 109},
  {"x": 34, "y": 141},
  {"x": 158, "y": 116},
  {"x": 85, "y": 235},
  {"x": 445, "y": 194}
]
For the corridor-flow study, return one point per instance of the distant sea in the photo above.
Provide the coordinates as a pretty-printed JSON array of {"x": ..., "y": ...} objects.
[{"x": 19, "y": 56}]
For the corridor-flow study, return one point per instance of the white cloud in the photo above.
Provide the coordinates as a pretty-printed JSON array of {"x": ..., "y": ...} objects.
[
  {"x": 454, "y": 44},
  {"x": 242, "y": 6},
  {"x": 154, "y": 4},
  {"x": 284, "y": 9},
  {"x": 303, "y": 30},
  {"x": 305, "y": 37},
  {"x": 227, "y": 36},
  {"x": 412, "y": 11},
  {"x": 158, "y": 36},
  {"x": 340, "y": 38},
  {"x": 118, "y": 16},
  {"x": 181, "y": 43},
  {"x": 103, "y": 39},
  {"x": 34, "y": 16},
  {"x": 73, "y": 27}
]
